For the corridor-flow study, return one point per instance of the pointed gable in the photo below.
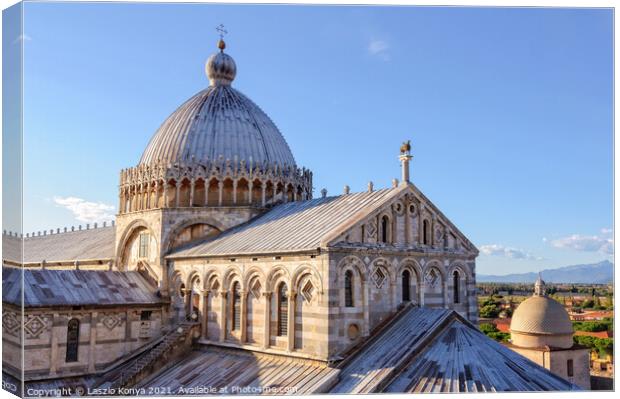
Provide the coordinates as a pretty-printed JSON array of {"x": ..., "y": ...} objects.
[{"x": 403, "y": 216}]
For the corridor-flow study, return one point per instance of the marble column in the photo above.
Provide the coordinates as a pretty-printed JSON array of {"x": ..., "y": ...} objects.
[
  {"x": 223, "y": 315},
  {"x": 366, "y": 294},
  {"x": 422, "y": 289},
  {"x": 129, "y": 200},
  {"x": 243, "y": 317},
  {"x": 292, "y": 301},
  {"x": 54, "y": 344},
  {"x": 220, "y": 186},
  {"x": 235, "y": 192},
  {"x": 177, "y": 193},
  {"x": 156, "y": 204},
  {"x": 192, "y": 187},
  {"x": 165, "y": 189},
  {"x": 207, "y": 184},
  {"x": 92, "y": 349},
  {"x": 420, "y": 226},
  {"x": 267, "y": 321},
  {"x": 204, "y": 312}
]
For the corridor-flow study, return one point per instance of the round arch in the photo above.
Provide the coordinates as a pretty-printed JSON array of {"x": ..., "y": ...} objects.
[
  {"x": 232, "y": 274},
  {"x": 213, "y": 280},
  {"x": 435, "y": 264},
  {"x": 277, "y": 274},
  {"x": 462, "y": 268},
  {"x": 303, "y": 271},
  {"x": 178, "y": 227},
  {"x": 252, "y": 274},
  {"x": 128, "y": 233},
  {"x": 354, "y": 262},
  {"x": 191, "y": 280},
  {"x": 411, "y": 264}
]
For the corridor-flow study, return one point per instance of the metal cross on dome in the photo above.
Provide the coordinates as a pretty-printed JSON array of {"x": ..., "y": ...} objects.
[{"x": 221, "y": 30}]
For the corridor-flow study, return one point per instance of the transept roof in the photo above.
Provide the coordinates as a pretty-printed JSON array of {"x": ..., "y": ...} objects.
[{"x": 43, "y": 287}]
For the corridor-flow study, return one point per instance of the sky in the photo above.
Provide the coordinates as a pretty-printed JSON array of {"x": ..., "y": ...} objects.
[{"x": 509, "y": 110}]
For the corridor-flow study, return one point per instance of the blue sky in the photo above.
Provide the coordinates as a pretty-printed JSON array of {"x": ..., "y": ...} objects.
[{"x": 509, "y": 110}]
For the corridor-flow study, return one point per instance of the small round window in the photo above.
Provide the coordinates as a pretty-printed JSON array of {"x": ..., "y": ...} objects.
[{"x": 353, "y": 331}]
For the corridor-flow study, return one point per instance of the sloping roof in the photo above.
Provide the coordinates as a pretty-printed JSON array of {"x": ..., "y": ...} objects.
[
  {"x": 255, "y": 374},
  {"x": 597, "y": 334},
  {"x": 462, "y": 359},
  {"x": 75, "y": 245},
  {"x": 294, "y": 226},
  {"x": 44, "y": 287},
  {"x": 11, "y": 247},
  {"x": 367, "y": 369},
  {"x": 435, "y": 350}
]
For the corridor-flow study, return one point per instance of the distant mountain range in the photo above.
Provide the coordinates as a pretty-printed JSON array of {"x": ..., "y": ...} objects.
[{"x": 596, "y": 273}]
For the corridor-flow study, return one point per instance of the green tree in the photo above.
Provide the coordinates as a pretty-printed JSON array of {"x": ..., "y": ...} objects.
[
  {"x": 489, "y": 311},
  {"x": 488, "y": 328},
  {"x": 499, "y": 336},
  {"x": 588, "y": 304},
  {"x": 603, "y": 346}
]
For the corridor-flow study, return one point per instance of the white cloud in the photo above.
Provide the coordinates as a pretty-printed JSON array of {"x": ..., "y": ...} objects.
[
  {"x": 86, "y": 211},
  {"x": 514, "y": 253},
  {"x": 379, "y": 49},
  {"x": 22, "y": 38},
  {"x": 603, "y": 243}
]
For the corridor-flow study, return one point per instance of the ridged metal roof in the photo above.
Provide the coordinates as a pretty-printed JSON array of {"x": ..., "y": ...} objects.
[
  {"x": 221, "y": 369},
  {"x": 293, "y": 226},
  {"x": 44, "y": 287},
  {"x": 218, "y": 121},
  {"x": 435, "y": 350},
  {"x": 97, "y": 243},
  {"x": 541, "y": 315},
  {"x": 462, "y": 359}
]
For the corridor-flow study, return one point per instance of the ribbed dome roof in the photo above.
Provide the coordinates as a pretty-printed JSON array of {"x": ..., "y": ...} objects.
[
  {"x": 218, "y": 121},
  {"x": 541, "y": 315}
]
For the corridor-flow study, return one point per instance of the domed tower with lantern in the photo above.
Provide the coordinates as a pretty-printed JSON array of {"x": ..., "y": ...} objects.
[
  {"x": 214, "y": 163},
  {"x": 541, "y": 330}
]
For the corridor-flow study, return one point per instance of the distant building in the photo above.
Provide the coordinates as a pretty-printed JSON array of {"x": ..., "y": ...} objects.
[
  {"x": 542, "y": 331},
  {"x": 591, "y": 316}
]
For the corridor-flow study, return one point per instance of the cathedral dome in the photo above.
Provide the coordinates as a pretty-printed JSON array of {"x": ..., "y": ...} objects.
[
  {"x": 218, "y": 149},
  {"x": 218, "y": 122},
  {"x": 541, "y": 321}
]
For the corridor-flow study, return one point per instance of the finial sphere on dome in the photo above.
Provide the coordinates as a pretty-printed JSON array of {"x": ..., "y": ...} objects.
[{"x": 221, "y": 68}]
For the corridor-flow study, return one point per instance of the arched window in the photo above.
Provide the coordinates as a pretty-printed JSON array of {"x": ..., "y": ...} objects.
[
  {"x": 455, "y": 286},
  {"x": 348, "y": 289},
  {"x": 406, "y": 286},
  {"x": 425, "y": 232},
  {"x": 236, "y": 307},
  {"x": 282, "y": 310},
  {"x": 143, "y": 250},
  {"x": 73, "y": 340},
  {"x": 385, "y": 223}
]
